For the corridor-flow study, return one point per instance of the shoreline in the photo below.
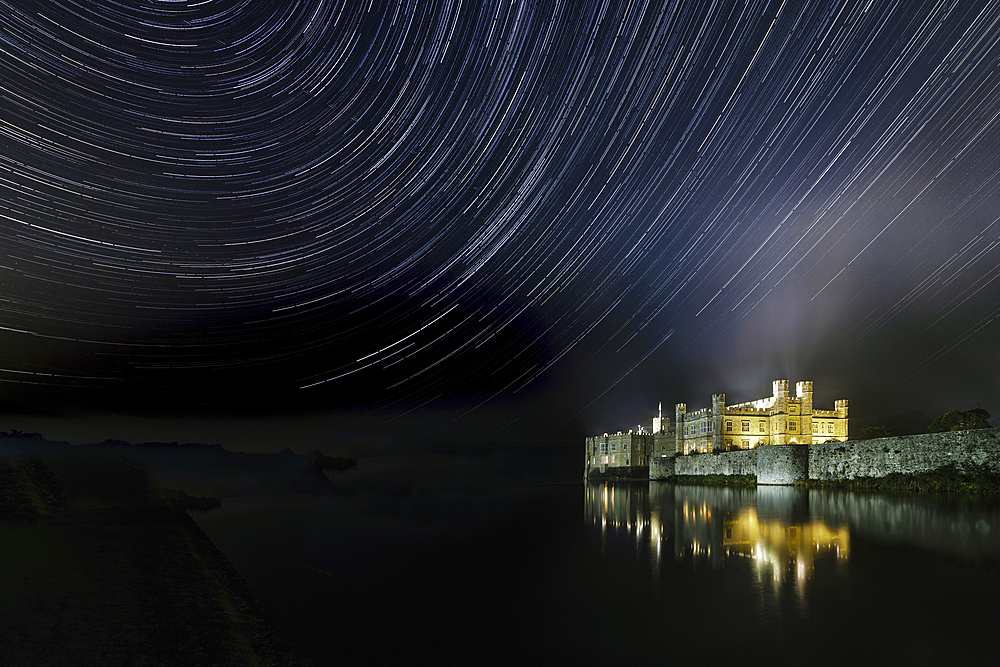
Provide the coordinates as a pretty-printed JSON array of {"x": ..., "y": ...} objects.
[{"x": 91, "y": 581}]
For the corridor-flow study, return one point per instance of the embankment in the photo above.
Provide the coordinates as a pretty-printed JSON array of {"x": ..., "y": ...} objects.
[{"x": 96, "y": 581}]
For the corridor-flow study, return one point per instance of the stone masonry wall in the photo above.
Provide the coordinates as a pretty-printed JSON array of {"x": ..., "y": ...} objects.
[
  {"x": 905, "y": 454},
  {"x": 661, "y": 467},
  {"x": 782, "y": 464},
  {"x": 743, "y": 462}
]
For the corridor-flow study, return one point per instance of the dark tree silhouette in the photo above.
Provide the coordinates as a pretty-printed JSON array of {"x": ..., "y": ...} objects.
[
  {"x": 338, "y": 463},
  {"x": 959, "y": 420}
]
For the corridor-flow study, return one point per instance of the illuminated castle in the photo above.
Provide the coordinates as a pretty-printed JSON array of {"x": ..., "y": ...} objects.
[{"x": 779, "y": 419}]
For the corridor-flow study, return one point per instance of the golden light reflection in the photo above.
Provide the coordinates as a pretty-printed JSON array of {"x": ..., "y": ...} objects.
[
  {"x": 785, "y": 546},
  {"x": 770, "y": 528}
]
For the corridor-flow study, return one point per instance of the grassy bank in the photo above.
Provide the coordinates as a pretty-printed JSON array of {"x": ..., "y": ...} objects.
[
  {"x": 90, "y": 580},
  {"x": 715, "y": 480}
]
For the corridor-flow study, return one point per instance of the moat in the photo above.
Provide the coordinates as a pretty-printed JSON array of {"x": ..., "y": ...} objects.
[
  {"x": 604, "y": 572},
  {"x": 794, "y": 575}
]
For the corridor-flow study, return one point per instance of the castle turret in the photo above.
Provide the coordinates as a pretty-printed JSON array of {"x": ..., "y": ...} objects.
[
  {"x": 779, "y": 412},
  {"x": 718, "y": 409},
  {"x": 804, "y": 392},
  {"x": 661, "y": 425},
  {"x": 679, "y": 411},
  {"x": 780, "y": 388},
  {"x": 841, "y": 408}
]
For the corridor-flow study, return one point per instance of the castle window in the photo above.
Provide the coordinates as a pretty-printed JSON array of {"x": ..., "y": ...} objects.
[
  {"x": 614, "y": 445},
  {"x": 746, "y": 426},
  {"x": 746, "y": 444},
  {"x": 710, "y": 427},
  {"x": 829, "y": 427},
  {"x": 604, "y": 446},
  {"x": 815, "y": 427},
  {"x": 625, "y": 447},
  {"x": 793, "y": 426},
  {"x": 704, "y": 427},
  {"x": 760, "y": 426},
  {"x": 729, "y": 426}
]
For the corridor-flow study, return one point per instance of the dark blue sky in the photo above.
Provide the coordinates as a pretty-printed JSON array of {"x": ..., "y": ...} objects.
[{"x": 563, "y": 212}]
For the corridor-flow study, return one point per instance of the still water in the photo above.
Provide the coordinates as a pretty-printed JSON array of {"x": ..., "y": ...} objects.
[{"x": 623, "y": 573}]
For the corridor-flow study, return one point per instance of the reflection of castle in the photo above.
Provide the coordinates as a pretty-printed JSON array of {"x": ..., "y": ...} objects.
[
  {"x": 783, "y": 545},
  {"x": 771, "y": 526},
  {"x": 778, "y": 419}
]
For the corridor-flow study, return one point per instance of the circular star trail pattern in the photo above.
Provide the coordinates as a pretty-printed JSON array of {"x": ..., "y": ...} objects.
[{"x": 416, "y": 200}]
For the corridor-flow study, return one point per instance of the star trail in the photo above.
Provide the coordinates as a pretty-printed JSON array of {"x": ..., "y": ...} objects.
[{"x": 313, "y": 202}]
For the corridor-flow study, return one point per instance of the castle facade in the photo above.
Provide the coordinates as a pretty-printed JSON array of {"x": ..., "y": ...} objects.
[{"x": 779, "y": 419}]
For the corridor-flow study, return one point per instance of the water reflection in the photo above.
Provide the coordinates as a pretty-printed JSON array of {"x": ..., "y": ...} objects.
[{"x": 781, "y": 532}]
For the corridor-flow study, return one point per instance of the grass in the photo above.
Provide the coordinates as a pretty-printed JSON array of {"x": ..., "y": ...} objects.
[{"x": 28, "y": 490}]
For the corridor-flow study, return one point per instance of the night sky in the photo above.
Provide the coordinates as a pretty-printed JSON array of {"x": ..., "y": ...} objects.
[{"x": 547, "y": 214}]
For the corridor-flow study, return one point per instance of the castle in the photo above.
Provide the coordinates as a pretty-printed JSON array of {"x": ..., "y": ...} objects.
[{"x": 778, "y": 419}]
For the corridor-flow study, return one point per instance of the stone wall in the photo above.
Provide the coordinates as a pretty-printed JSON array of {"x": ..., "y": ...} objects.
[
  {"x": 782, "y": 464},
  {"x": 661, "y": 467},
  {"x": 743, "y": 462},
  {"x": 905, "y": 454}
]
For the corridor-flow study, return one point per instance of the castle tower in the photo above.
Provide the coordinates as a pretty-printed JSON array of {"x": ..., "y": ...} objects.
[
  {"x": 718, "y": 410},
  {"x": 804, "y": 392},
  {"x": 841, "y": 407},
  {"x": 780, "y": 388},
  {"x": 679, "y": 411},
  {"x": 779, "y": 413},
  {"x": 661, "y": 425}
]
